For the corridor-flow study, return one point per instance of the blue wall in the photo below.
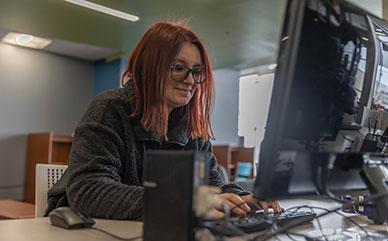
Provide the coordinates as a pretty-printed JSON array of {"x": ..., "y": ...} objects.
[{"x": 106, "y": 75}]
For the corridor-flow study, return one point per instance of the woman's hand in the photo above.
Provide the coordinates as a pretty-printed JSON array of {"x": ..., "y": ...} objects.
[
  {"x": 239, "y": 205},
  {"x": 249, "y": 199},
  {"x": 236, "y": 204}
]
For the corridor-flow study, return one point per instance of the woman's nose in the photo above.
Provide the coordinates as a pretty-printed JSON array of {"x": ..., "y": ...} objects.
[{"x": 190, "y": 79}]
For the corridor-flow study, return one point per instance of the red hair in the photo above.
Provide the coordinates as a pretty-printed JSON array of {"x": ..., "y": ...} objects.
[{"x": 149, "y": 69}]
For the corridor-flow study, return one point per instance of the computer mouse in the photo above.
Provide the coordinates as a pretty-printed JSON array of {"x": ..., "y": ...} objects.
[{"x": 66, "y": 217}]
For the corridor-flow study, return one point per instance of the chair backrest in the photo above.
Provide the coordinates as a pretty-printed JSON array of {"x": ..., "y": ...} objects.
[
  {"x": 243, "y": 171},
  {"x": 224, "y": 175},
  {"x": 46, "y": 176}
]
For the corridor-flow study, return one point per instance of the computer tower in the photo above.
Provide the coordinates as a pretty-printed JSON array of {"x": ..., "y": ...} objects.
[{"x": 170, "y": 178}]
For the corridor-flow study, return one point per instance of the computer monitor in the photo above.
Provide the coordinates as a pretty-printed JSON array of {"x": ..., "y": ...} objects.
[{"x": 323, "y": 77}]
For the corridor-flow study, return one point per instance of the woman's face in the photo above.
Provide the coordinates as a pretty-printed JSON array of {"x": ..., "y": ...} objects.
[{"x": 179, "y": 93}]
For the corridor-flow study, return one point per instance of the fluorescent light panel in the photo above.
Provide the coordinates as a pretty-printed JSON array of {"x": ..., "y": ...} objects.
[
  {"x": 103, "y": 9},
  {"x": 20, "y": 39},
  {"x": 24, "y": 39}
]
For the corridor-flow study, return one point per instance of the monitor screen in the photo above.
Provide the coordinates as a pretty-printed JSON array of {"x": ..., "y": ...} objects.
[{"x": 322, "y": 81}]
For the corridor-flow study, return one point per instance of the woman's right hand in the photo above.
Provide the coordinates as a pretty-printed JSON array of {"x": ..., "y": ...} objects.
[{"x": 235, "y": 203}]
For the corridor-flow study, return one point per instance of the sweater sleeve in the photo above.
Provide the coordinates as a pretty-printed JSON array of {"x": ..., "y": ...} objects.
[
  {"x": 215, "y": 176},
  {"x": 94, "y": 184}
]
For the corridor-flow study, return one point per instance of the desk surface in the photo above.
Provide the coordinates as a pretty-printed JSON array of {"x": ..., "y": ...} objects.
[{"x": 41, "y": 229}]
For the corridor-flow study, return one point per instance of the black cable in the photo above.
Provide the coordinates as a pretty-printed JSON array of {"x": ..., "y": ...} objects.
[
  {"x": 298, "y": 234},
  {"x": 287, "y": 226},
  {"x": 366, "y": 201},
  {"x": 347, "y": 218},
  {"x": 324, "y": 176},
  {"x": 297, "y": 222},
  {"x": 348, "y": 139},
  {"x": 320, "y": 228},
  {"x": 115, "y": 236},
  {"x": 337, "y": 212},
  {"x": 289, "y": 236}
]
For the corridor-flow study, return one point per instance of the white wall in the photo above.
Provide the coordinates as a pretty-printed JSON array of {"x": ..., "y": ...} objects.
[
  {"x": 373, "y": 6},
  {"x": 39, "y": 92},
  {"x": 225, "y": 115}
]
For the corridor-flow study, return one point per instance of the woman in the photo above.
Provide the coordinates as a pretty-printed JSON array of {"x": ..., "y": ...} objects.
[{"x": 165, "y": 104}]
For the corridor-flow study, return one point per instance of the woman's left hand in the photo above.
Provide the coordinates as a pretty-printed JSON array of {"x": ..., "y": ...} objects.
[{"x": 249, "y": 199}]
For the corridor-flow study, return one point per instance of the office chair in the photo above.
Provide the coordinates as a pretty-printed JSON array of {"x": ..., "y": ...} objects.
[
  {"x": 243, "y": 171},
  {"x": 46, "y": 176},
  {"x": 224, "y": 174}
]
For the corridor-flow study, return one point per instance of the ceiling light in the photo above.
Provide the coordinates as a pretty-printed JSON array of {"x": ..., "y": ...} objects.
[
  {"x": 104, "y": 9},
  {"x": 272, "y": 66},
  {"x": 26, "y": 40},
  {"x": 23, "y": 39}
]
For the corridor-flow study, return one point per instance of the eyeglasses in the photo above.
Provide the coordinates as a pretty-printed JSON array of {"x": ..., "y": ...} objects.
[{"x": 181, "y": 72}]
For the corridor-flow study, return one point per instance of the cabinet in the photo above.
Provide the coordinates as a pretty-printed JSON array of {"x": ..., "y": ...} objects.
[
  {"x": 229, "y": 157},
  {"x": 45, "y": 148}
]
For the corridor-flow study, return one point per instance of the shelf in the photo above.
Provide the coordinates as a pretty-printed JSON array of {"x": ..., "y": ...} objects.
[
  {"x": 44, "y": 148},
  {"x": 63, "y": 139},
  {"x": 11, "y": 209}
]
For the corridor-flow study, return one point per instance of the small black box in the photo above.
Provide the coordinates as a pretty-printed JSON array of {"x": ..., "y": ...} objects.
[{"x": 169, "y": 180}]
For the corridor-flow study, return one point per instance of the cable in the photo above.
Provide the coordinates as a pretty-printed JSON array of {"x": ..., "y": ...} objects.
[
  {"x": 320, "y": 228},
  {"x": 115, "y": 236},
  {"x": 324, "y": 175},
  {"x": 328, "y": 211},
  {"x": 296, "y": 222},
  {"x": 291, "y": 224},
  {"x": 289, "y": 236},
  {"x": 366, "y": 201},
  {"x": 346, "y": 138},
  {"x": 297, "y": 234}
]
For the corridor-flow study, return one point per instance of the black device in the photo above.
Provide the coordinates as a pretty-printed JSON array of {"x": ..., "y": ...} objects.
[
  {"x": 324, "y": 47},
  {"x": 259, "y": 221},
  {"x": 170, "y": 178},
  {"x": 66, "y": 217}
]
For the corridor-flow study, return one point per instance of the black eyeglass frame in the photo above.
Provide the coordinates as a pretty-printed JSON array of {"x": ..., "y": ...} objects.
[{"x": 188, "y": 71}]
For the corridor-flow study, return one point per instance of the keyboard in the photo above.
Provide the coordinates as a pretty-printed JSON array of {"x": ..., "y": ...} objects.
[{"x": 259, "y": 221}]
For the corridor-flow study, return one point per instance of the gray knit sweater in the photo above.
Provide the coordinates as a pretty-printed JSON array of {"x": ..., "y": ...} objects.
[{"x": 105, "y": 166}]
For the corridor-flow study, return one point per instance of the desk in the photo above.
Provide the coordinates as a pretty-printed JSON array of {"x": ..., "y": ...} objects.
[{"x": 40, "y": 229}]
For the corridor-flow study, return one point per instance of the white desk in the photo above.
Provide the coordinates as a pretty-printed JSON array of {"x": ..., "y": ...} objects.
[{"x": 40, "y": 229}]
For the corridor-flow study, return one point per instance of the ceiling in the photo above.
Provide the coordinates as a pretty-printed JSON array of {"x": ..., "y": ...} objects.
[{"x": 238, "y": 33}]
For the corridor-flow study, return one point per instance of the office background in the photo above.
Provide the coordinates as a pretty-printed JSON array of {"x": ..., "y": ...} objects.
[{"x": 43, "y": 91}]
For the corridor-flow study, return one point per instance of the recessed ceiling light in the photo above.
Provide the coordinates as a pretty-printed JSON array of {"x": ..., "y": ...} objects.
[
  {"x": 103, "y": 9},
  {"x": 272, "y": 66},
  {"x": 26, "y": 40},
  {"x": 23, "y": 39}
]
